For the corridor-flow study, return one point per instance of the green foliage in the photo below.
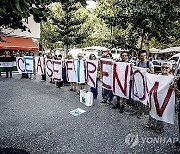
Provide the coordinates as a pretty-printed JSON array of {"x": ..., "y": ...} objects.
[
  {"x": 142, "y": 19},
  {"x": 13, "y": 11},
  {"x": 67, "y": 22}
]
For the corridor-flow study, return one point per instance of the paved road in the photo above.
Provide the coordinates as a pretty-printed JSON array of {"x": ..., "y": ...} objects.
[{"x": 34, "y": 116}]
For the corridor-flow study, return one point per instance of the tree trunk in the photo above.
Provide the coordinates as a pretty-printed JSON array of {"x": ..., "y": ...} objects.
[{"x": 142, "y": 39}]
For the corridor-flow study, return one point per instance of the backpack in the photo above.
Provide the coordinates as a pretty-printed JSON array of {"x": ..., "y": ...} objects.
[{"x": 147, "y": 64}]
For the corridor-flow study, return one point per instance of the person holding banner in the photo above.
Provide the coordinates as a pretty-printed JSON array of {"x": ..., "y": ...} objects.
[
  {"x": 24, "y": 75},
  {"x": 59, "y": 84},
  {"x": 80, "y": 72},
  {"x": 124, "y": 58},
  {"x": 7, "y": 54},
  {"x": 166, "y": 69},
  {"x": 73, "y": 84},
  {"x": 107, "y": 95},
  {"x": 30, "y": 74},
  {"x": 94, "y": 90},
  {"x": 176, "y": 87},
  {"x": 144, "y": 63},
  {"x": 49, "y": 56}
]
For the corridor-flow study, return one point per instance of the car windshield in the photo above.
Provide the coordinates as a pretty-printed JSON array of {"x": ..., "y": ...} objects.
[{"x": 174, "y": 59}]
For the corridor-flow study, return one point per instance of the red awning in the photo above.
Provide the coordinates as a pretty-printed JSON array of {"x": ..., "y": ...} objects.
[{"x": 17, "y": 43}]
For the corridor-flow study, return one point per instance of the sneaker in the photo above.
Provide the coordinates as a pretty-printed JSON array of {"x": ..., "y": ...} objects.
[
  {"x": 133, "y": 113},
  {"x": 141, "y": 116},
  {"x": 121, "y": 109},
  {"x": 50, "y": 81}
]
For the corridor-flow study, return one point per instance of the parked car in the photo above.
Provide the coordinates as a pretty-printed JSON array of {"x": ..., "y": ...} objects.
[
  {"x": 174, "y": 60},
  {"x": 157, "y": 65}
]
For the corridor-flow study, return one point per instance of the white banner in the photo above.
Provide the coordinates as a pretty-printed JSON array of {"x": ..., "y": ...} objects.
[
  {"x": 39, "y": 65},
  {"x": 139, "y": 86},
  {"x": 25, "y": 64},
  {"x": 91, "y": 72},
  {"x": 121, "y": 79},
  {"x": 106, "y": 67},
  {"x": 49, "y": 68},
  {"x": 162, "y": 98},
  {"x": 29, "y": 64},
  {"x": 57, "y": 70},
  {"x": 20, "y": 64},
  {"x": 70, "y": 71},
  {"x": 80, "y": 70}
]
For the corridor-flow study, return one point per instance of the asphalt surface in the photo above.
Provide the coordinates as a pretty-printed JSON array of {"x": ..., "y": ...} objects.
[{"x": 34, "y": 117}]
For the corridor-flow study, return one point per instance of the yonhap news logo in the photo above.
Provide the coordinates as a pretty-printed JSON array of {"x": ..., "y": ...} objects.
[{"x": 133, "y": 140}]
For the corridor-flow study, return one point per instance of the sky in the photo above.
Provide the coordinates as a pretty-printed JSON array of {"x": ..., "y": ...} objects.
[{"x": 90, "y": 4}]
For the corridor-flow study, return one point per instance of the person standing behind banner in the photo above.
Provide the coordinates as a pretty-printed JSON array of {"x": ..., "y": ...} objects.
[
  {"x": 30, "y": 74},
  {"x": 7, "y": 54},
  {"x": 59, "y": 84},
  {"x": 166, "y": 69},
  {"x": 94, "y": 90},
  {"x": 24, "y": 75},
  {"x": 73, "y": 84},
  {"x": 81, "y": 85},
  {"x": 124, "y": 58},
  {"x": 107, "y": 95},
  {"x": 43, "y": 76},
  {"x": 49, "y": 56},
  {"x": 176, "y": 87},
  {"x": 144, "y": 63}
]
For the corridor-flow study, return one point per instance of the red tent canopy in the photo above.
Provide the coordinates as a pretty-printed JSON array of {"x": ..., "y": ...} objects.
[{"x": 17, "y": 43}]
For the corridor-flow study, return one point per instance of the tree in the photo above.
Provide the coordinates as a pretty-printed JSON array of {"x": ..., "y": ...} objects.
[
  {"x": 68, "y": 24},
  {"x": 12, "y": 12},
  {"x": 142, "y": 19},
  {"x": 152, "y": 18}
]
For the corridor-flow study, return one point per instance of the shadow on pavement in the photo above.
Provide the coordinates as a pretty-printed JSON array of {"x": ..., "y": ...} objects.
[{"x": 12, "y": 151}]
